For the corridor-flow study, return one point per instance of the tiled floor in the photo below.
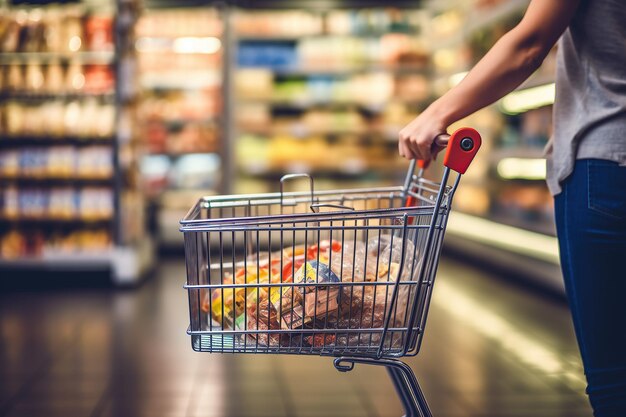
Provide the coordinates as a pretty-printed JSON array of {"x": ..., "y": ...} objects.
[{"x": 491, "y": 350}]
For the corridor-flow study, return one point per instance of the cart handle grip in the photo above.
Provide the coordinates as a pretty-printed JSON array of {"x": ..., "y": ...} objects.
[{"x": 462, "y": 146}]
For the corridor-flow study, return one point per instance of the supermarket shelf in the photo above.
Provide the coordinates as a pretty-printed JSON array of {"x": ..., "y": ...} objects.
[
  {"x": 56, "y": 181},
  {"x": 303, "y": 105},
  {"x": 61, "y": 261},
  {"x": 369, "y": 135},
  {"x": 78, "y": 222},
  {"x": 34, "y": 96},
  {"x": 342, "y": 71},
  {"x": 128, "y": 264},
  {"x": 19, "y": 141},
  {"x": 262, "y": 37},
  {"x": 102, "y": 57},
  {"x": 338, "y": 174},
  {"x": 316, "y": 5},
  {"x": 185, "y": 121},
  {"x": 175, "y": 155}
]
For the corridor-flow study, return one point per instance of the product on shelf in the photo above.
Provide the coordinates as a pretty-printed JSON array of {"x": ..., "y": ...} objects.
[
  {"x": 329, "y": 94},
  {"x": 278, "y": 23},
  {"x": 99, "y": 32},
  {"x": 56, "y": 203},
  {"x": 180, "y": 66},
  {"x": 89, "y": 118},
  {"x": 58, "y": 29},
  {"x": 54, "y": 162},
  {"x": 17, "y": 243}
]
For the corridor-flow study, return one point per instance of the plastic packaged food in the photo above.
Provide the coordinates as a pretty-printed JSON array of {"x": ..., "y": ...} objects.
[
  {"x": 376, "y": 264},
  {"x": 265, "y": 317}
]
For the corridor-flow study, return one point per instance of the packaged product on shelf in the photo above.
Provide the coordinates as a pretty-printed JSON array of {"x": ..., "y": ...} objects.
[
  {"x": 62, "y": 203},
  {"x": 74, "y": 77},
  {"x": 72, "y": 121},
  {"x": 15, "y": 118},
  {"x": 54, "y": 78},
  {"x": 80, "y": 241},
  {"x": 9, "y": 163},
  {"x": 99, "y": 79},
  {"x": 33, "y": 162},
  {"x": 73, "y": 32},
  {"x": 95, "y": 203},
  {"x": 61, "y": 161},
  {"x": 10, "y": 203},
  {"x": 53, "y": 32},
  {"x": 15, "y": 77},
  {"x": 13, "y": 245},
  {"x": 9, "y": 42},
  {"x": 34, "y": 79},
  {"x": 99, "y": 32},
  {"x": 52, "y": 114},
  {"x": 33, "y": 203}
]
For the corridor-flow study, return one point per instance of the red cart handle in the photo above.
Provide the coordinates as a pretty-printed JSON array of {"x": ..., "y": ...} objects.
[{"x": 462, "y": 147}]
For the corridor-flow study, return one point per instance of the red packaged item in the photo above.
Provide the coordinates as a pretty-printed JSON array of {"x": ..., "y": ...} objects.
[{"x": 99, "y": 33}]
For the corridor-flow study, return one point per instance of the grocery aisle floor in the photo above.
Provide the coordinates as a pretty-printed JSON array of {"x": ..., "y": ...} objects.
[{"x": 491, "y": 350}]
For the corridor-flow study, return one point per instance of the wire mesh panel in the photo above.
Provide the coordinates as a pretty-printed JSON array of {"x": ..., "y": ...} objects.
[{"x": 267, "y": 274}]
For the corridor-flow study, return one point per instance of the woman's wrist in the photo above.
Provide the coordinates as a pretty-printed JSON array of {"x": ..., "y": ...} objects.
[{"x": 439, "y": 112}]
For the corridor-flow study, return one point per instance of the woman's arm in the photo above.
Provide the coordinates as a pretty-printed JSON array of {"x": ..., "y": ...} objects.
[{"x": 509, "y": 62}]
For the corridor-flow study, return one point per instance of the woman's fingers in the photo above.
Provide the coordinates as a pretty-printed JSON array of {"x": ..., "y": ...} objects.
[{"x": 404, "y": 150}]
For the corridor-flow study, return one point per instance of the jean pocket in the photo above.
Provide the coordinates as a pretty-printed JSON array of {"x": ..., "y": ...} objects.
[{"x": 607, "y": 188}]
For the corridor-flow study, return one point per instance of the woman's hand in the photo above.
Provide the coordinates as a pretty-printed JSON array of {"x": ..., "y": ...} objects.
[
  {"x": 416, "y": 140},
  {"x": 511, "y": 60}
]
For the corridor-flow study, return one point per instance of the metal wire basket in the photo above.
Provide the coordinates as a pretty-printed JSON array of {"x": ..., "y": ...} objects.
[{"x": 344, "y": 273}]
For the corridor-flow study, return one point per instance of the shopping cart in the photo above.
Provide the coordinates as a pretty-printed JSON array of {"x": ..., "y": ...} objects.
[{"x": 342, "y": 273}]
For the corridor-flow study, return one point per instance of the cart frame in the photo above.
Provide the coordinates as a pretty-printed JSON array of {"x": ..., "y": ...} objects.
[{"x": 226, "y": 235}]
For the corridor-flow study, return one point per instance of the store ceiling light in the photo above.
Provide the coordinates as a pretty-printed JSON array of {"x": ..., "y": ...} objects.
[
  {"x": 191, "y": 45},
  {"x": 522, "y": 168},
  {"x": 528, "y": 99}
]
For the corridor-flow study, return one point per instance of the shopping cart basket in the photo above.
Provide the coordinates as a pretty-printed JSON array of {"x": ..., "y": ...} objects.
[{"x": 342, "y": 273}]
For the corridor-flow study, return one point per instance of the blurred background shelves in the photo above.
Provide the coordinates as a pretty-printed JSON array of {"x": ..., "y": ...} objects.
[
  {"x": 181, "y": 113},
  {"x": 169, "y": 101},
  {"x": 325, "y": 92},
  {"x": 69, "y": 179}
]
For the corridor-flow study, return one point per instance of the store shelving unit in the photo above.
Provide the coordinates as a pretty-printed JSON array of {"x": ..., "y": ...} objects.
[
  {"x": 70, "y": 196},
  {"x": 181, "y": 65},
  {"x": 324, "y": 94}
]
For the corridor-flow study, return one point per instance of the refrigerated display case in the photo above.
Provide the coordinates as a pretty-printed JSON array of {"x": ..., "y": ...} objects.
[{"x": 68, "y": 159}]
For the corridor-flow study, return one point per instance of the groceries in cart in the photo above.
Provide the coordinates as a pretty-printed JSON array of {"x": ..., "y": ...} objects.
[{"x": 312, "y": 287}]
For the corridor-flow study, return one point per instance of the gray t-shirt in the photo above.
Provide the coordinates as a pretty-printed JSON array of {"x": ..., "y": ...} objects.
[{"x": 590, "y": 107}]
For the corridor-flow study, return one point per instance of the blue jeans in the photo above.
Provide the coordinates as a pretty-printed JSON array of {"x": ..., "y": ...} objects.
[{"x": 591, "y": 225}]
